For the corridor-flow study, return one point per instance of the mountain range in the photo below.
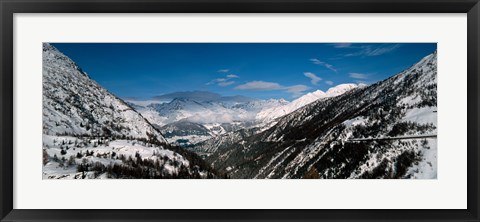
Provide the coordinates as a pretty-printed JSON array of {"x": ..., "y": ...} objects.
[
  {"x": 383, "y": 130},
  {"x": 212, "y": 114},
  {"x": 279, "y": 111}
]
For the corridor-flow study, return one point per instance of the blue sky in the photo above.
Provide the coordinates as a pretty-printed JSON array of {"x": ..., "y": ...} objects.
[{"x": 259, "y": 70}]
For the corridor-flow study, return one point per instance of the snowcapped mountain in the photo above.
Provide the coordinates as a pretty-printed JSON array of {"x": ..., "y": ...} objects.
[
  {"x": 90, "y": 133},
  {"x": 385, "y": 130},
  {"x": 187, "y": 110},
  {"x": 217, "y": 114},
  {"x": 74, "y": 104},
  {"x": 207, "y": 111},
  {"x": 279, "y": 111},
  {"x": 259, "y": 105},
  {"x": 342, "y": 88}
]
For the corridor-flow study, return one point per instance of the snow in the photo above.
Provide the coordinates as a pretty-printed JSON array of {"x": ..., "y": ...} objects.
[
  {"x": 52, "y": 170},
  {"x": 52, "y": 145},
  {"x": 422, "y": 115},
  {"x": 276, "y": 112},
  {"x": 410, "y": 100},
  {"x": 215, "y": 128},
  {"x": 340, "y": 89},
  {"x": 427, "y": 167},
  {"x": 355, "y": 121}
]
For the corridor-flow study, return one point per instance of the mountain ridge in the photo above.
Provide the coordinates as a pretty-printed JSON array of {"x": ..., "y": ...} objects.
[
  {"x": 79, "y": 108},
  {"x": 314, "y": 140},
  {"x": 276, "y": 112}
]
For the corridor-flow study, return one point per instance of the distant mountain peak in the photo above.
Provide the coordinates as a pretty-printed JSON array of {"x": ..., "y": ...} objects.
[
  {"x": 275, "y": 112},
  {"x": 340, "y": 89}
]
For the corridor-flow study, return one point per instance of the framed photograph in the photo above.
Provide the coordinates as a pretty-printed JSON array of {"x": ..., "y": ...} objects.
[{"x": 240, "y": 110}]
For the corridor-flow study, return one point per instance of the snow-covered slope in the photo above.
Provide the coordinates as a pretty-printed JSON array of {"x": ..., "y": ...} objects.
[
  {"x": 279, "y": 111},
  {"x": 369, "y": 132},
  {"x": 66, "y": 154},
  {"x": 74, "y": 104},
  {"x": 341, "y": 89}
]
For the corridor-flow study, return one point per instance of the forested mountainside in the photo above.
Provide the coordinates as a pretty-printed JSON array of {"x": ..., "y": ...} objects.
[{"x": 324, "y": 139}]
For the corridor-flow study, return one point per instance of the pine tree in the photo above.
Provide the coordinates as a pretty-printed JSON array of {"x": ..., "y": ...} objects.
[
  {"x": 45, "y": 157},
  {"x": 71, "y": 160},
  {"x": 312, "y": 173}
]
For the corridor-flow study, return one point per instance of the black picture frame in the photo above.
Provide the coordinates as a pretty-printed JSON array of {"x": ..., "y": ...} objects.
[{"x": 10, "y": 7}]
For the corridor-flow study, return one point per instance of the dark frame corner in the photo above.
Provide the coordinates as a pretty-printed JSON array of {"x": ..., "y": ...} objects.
[{"x": 9, "y": 7}]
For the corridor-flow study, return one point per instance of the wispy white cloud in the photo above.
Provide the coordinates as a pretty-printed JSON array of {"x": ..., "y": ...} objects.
[
  {"x": 224, "y": 81},
  {"x": 322, "y": 63},
  {"x": 314, "y": 79},
  {"x": 215, "y": 81},
  {"x": 373, "y": 50},
  {"x": 259, "y": 85},
  {"x": 316, "y": 61},
  {"x": 295, "y": 90},
  {"x": 329, "y": 82},
  {"x": 232, "y": 76},
  {"x": 382, "y": 50},
  {"x": 357, "y": 75},
  {"x": 223, "y": 70},
  {"x": 328, "y": 66}
]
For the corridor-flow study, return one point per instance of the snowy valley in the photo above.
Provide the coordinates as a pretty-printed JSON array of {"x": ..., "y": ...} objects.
[{"x": 348, "y": 131}]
